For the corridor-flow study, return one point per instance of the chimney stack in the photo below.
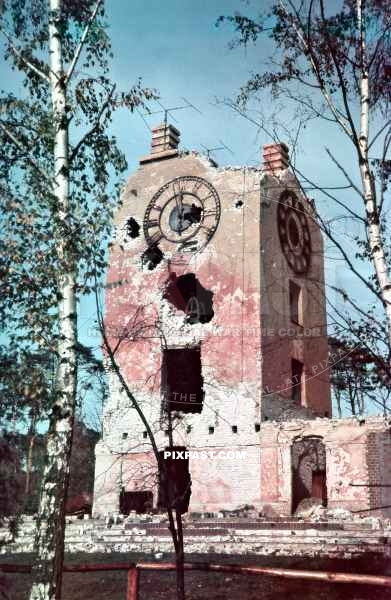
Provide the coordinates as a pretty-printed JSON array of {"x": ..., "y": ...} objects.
[
  {"x": 275, "y": 158},
  {"x": 164, "y": 143}
]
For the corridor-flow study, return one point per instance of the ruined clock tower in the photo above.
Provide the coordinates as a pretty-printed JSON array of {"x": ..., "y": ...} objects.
[{"x": 215, "y": 312}]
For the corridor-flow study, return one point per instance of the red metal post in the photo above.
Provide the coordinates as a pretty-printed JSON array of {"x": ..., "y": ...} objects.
[{"x": 133, "y": 580}]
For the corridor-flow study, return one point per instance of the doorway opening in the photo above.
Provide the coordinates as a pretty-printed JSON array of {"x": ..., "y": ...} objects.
[{"x": 309, "y": 480}]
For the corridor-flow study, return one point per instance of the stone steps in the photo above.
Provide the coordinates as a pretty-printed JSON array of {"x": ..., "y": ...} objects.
[{"x": 228, "y": 536}]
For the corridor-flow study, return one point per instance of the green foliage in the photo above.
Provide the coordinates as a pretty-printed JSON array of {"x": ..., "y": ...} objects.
[
  {"x": 31, "y": 223},
  {"x": 26, "y": 386},
  {"x": 10, "y": 477}
]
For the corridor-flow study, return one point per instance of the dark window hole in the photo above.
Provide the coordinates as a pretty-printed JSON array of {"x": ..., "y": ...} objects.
[
  {"x": 297, "y": 380},
  {"x": 182, "y": 382},
  {"x": 141, "y": 502}
]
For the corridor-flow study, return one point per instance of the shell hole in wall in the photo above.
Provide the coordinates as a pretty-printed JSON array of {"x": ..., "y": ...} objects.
[
  {"x": 132, "y": 228},
  {"x": 187, "y": 294},
  {"x": 151, "y": 257}
]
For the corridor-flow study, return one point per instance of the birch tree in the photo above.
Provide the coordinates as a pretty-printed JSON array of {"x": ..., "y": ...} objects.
[
  {"x": 59, "y": 178},
  {"x": 331, "y": 63}
]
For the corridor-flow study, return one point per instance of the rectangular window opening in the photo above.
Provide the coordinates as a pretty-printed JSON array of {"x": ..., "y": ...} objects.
[
  {"x": 182, "y": 382},
  {"x": 141, "y": 502},
  {"x": 295, "y": 303},
  {"x": 297, "y": 381}
]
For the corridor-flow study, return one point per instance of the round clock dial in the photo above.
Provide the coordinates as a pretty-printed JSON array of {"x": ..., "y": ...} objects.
[
  {"x": 185, "y": 211},
  {"x": 294, "y": 232}
]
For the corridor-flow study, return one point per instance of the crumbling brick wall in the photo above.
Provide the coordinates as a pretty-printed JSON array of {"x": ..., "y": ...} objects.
[{"x": 357, "y": 456}]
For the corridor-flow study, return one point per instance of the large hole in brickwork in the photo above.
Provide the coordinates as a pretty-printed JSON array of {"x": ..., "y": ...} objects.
[
  {"x": 186, "y": 293},
  {"x": 152, "y": 257},
  {"x": 132, "y": 228},
  {"x": 309, "y": 484},
  {"x": 182, "y": 382},
  {"x": 174, "y": 479}
]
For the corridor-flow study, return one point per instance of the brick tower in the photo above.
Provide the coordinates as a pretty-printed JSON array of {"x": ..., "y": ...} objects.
[{"x": 215, "y": 307}]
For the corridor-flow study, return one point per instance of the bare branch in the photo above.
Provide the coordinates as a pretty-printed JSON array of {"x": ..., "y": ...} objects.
[
  {"x": 26, "y": 62},
  {"x": 340, "y": 167},
  {"x": 386, "y": 147},
  {"x": 314, "y": 185},
  {"x": 328, "y": 195},
  {"x": 302, "y": 102},
  {"x": 347, "y": 258},
  {"x": 375, "y": 137},
  {"x": 341, "y": 80},
  {"x": 362, "y": 312},
  {"x": 82, "y": 41},
  {"x": 339, "y": 117}
]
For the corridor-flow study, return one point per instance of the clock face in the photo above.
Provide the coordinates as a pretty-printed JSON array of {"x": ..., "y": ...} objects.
[
  {"x": 294, "y": 232},
  {"x": 185, "y": 212}
]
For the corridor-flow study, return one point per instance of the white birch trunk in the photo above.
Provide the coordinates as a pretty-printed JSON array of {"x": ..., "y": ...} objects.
[
  {"x": 375, "y": 238},
  {"x": 51, "y": 518}
]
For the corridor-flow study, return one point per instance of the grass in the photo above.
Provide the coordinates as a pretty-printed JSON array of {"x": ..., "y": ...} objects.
[{"x": 201, "y": 586}]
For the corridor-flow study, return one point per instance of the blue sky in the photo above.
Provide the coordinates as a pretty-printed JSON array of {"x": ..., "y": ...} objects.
[{"x": 179, "y": 51}]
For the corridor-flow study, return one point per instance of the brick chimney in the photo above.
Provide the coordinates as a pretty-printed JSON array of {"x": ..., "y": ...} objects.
[
  {"x": 275, "y": 158},
  {"x": 164, "y": 143}
]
